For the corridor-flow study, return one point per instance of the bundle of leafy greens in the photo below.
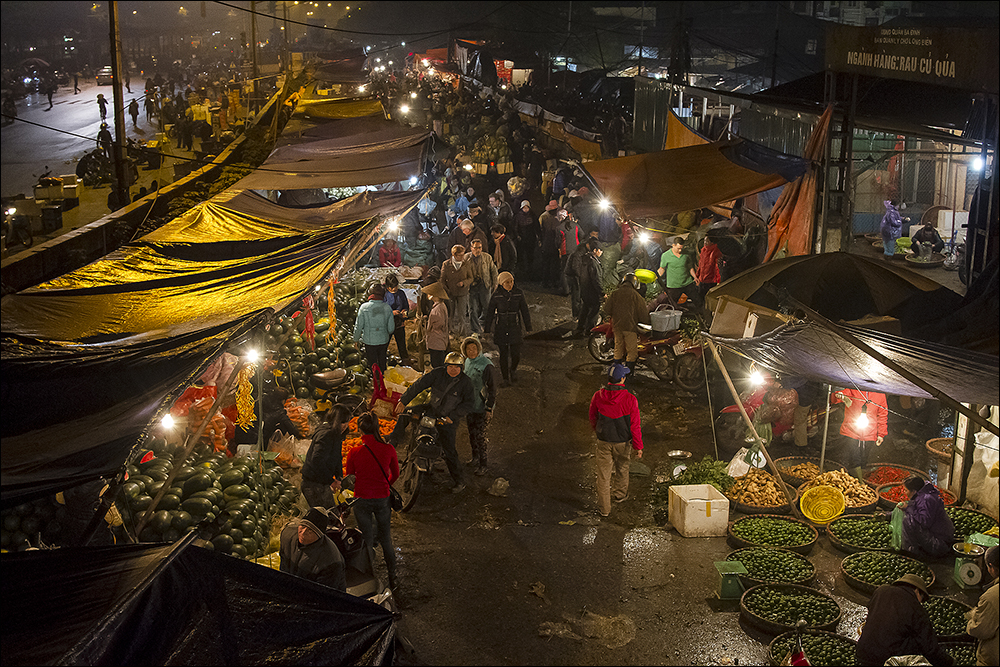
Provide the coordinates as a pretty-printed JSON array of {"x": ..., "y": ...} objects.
[{"x": 706, "y": 471}]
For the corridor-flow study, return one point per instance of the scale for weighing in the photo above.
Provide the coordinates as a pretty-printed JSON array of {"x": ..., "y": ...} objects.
[
  {"x": 730, "y": 586},
  {"x": 968, "y": 564}
]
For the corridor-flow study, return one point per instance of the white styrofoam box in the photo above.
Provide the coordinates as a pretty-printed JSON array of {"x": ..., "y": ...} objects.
[{"x": 698, "y": 510}]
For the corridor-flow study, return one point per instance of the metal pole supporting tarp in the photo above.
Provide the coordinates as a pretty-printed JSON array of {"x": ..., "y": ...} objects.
[
  {"x": 826, "y": 429},
  {"x": 746, "y": 418},
  {"x": 711, "y": 411}
]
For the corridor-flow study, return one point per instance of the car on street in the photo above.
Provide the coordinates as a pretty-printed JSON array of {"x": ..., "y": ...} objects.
[{"x": 105, "y": 76}]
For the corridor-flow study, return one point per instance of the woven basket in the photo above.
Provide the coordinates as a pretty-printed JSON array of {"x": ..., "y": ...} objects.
[
  {"x": 959, "y": 637},
  {"x": 822, "y": 504},
  {"x": 773, "y": 628},
  {"x": 869, "y": 588},
  {"x": 803, "y": 549},
  {"x": 749, "y": 581},
  {"x": 790, "y": 461},
  {"x": 947, "y": 497},
  {"x": 743, "y": 508},
  {"x": 941, "y": 448},
  {"x": 910, "y": 469},
  {"x": 844, "y": 546},
  {"x": 776, "y": 660}
]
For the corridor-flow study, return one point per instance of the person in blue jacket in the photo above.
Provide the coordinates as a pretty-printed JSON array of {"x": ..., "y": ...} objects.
[{"x": 374, "y": 327}]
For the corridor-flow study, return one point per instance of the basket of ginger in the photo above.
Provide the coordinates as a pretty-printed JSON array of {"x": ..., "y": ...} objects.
[
  {"x": 758, "y": 492},
  {"x": 861, "y": 498}
]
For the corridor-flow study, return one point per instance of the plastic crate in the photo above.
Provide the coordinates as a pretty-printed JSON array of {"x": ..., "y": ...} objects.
[{"x": 698, "y": 510}]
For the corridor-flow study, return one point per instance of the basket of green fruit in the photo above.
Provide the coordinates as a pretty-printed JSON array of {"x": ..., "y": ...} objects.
[
  {"x": 775, "y": 608},
  {"x": 968, "y": 522},
  {"x": 947, "y": 617},
  {"x": 867, "y": 570},
  {"x": 767, "y": 565},
  {"x": 860, "y": 532},
  {"x": 963, "y": 653},
  {"x": 820, "y": 646},
  {"x": 772, "y": 530}
]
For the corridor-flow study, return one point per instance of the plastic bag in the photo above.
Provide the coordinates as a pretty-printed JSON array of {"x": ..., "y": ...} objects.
[
  {"x": 739, "y": 465},
  {"x": 284, "y": 446},
  {"x": 896, "y": 524}
]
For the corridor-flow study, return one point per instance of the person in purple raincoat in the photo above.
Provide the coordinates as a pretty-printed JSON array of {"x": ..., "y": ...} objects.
[
  {"x": 892, "y": 227},
  {"x": 928, "y": 531}
]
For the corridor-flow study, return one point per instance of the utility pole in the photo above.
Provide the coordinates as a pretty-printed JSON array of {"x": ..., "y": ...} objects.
[
  {"x": 774, "y": 60},
  {"x": 118, "y": 157},
  {"x": 253, "y": 46}
]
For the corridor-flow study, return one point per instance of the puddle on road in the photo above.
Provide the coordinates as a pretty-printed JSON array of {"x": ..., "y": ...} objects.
[
  {"x": 644, "y": 554},
  {"x": 590, "y": 536}
]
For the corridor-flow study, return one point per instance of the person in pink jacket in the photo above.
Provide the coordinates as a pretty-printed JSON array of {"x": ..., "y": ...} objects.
[
  {"x": 614, "y": 416},
  {"x": 866, "y": 421},
  {"x": 436, "y": 330}
]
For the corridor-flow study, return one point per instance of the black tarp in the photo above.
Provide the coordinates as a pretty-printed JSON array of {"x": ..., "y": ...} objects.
[
  {"x": 814, "y": 352},
  {"x": 179, "y": 605}
]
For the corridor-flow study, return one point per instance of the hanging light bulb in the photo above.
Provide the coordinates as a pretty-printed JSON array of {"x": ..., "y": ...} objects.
[
  {"x": 252, "y": 356},
  {"x": 167, "y": 421},
  {"x": 756, "y": 378},
  {"x": 862, "y": 421}
]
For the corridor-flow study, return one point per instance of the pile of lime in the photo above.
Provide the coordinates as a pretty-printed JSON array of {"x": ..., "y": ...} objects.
[
  {"x": 785, "y": 605},
  {"x": 961, "y": 653},
  {"x": 820, "y": 648},
  {"x": 772, "y": 531},
  {"x": 878, "y": 567},
  {"x": 968, "y": 522},
  {"x": 862, "y": 532},
  {"x": 777, "y": 566},
  {"x": 947, "y": 616}
]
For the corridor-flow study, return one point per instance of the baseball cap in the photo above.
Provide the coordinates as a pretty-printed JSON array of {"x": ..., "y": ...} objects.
[{"x": 618, "y": 371}]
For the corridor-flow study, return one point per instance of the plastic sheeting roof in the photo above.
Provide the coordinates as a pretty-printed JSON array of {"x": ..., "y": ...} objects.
[
  {"x": 179, "y": 605},
  {"x": 814, "y": 352},
  {"x": 684, "y": 179}
]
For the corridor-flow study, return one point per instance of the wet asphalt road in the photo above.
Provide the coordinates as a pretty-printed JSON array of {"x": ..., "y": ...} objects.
[{"x": 484, "y": 577}]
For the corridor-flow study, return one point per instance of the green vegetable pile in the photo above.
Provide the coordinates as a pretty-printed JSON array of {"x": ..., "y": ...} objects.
[
  {"x": 968, "y": 522},
  {"x": 821, "y": 649},
  {"x": 706, "y": 471},
  {"x": 777, "y": 566},
  {"x": 863, "y": 532},
  {"x": 786, "y": 606},
  {"x": 947, "y": 616},
  {"x": 772, "y": 531},
  {"x": 962, "y": 654},
  {"x": 878, "y": 567}
]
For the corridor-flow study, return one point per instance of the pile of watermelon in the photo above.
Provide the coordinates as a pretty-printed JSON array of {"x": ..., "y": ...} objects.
[
  {"x": 232, "y": 502},
  {"x": 31, "y": 524},
  {"x": 334, "y": 344}
]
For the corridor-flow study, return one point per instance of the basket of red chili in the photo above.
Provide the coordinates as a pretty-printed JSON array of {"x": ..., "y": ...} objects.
[
  {"x": 891, "y": 473},
  {"x": 890, "y": 494}
]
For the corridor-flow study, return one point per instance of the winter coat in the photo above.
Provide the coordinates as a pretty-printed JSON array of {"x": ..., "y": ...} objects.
[
  {"x": 483, "y": 374},
  {"x": 375, "y": 323},
  {"x": 484, "y": 270},
  {"x": 614, "y": 415},
  {"x": 320, "y": 561},
  {"x": 369, "y": 480},
  {"x": 436, "y": 332},
  {"x": 626, "y": 308},
  {"x": 591, "y": 288},
  {"x": 389, "y": 257},
  {"x": 508, "y": 255},
  {"x": 877, "y": 412},
  {"x": 926, "y": 524},
  {"x": 323, "y": 462},
  {"x": 526, "y": 227},
  {"x": 708, "y": 264},
  {"x": 505, "y": 314},
  {"x": 451, "y": 277},
  {"x": 451, "y": 397},
  {"x": 983, "y": 626},
  {"x": 898, "y": 624}
]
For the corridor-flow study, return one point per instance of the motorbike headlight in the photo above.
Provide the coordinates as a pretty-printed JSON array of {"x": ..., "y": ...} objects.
[{"x": 427, "y": 421}]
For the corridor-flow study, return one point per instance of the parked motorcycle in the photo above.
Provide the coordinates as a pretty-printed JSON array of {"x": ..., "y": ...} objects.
[
  {"x": 666, "y": 353},
  {"x": 362, "y": 581},
  {"x": 417, "y": 446},
  {"x": 16, "y": 229}
]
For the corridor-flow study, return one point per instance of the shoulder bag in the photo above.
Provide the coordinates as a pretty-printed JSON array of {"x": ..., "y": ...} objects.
[{"x": 395, "y": 499}]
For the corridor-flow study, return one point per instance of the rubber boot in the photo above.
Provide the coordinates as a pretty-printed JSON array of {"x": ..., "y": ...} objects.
[
  {"x": 858, "y": 473},
  {"x": 630, "y": 365}
]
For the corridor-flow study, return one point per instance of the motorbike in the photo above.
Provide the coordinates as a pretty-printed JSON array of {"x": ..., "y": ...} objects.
[
  {"x": 666, "y": 353},
  {"x": 16, "y": 229},
  {"x": 955, "y": 260},
  {"x": 417, "y": 446},
  {"x": 362, "y": 581}
]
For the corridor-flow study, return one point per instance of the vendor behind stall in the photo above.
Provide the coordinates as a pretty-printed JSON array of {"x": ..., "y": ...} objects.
[
  {"x": 275, "y": 417},
  {"x": 928, "y": 531}
]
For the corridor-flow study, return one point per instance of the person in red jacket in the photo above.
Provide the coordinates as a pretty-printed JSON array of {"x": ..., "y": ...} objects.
[
  {"x": 388, "y": 254},
  {"x": 866, "y": 420},
  {"x": 708, "y": 264},
  {"x": 375, "y": 467},
  {"x": 614, "y": 416}
]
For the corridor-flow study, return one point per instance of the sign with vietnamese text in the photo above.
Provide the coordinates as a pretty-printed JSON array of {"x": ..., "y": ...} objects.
[{"x": 958, "y": 58}]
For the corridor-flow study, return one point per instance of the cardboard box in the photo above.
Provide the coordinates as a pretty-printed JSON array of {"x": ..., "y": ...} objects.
[
  {"x": 732, "y": 318},
  {"x": 698, "y": 510}
]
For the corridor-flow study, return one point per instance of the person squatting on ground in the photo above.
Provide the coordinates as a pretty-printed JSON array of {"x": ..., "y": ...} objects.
[
  {"x": 866, "y": 420},
  {"x": 307, "y": 552},
  {"x": 374, "y": 327},
  {"x": 456, "y": 276},
  {"x": 626, "y": 308},
  {"x": 483, "y": 374},
  {"x": 451, "y": 399},
  {"x": 505, "y": 315},
  {"x": 375, "y": 467},
  {"x": 898, "y": 624},
  {"x": 484, "y": 282},
  {"x": 928, "y": 531},
  {"x": 324, "y": 468},
  {"x": 983, "y": 620},
  {"x": 396, "y": 298},
  {"x": 614, "y": 416}
]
